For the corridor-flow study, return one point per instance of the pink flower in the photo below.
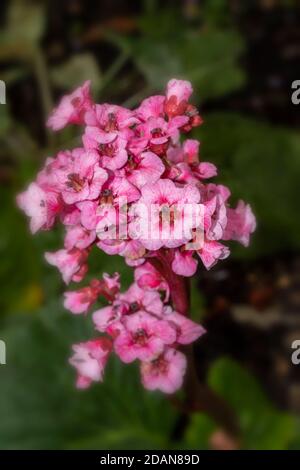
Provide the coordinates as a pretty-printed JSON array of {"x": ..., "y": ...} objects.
[
  {"x": 241, "y": 223},
  {"x": 112, "y": 247},
  {"x": 71, "y": 264},
  {"x": 111, "y": 285},
  {"x": 137, "y": 299},
  {"x": 143, "y": 337},
  {"x": 191, "y": 151},
  {"x": 138, "y": 190},
  {"x": 81, "y": 178},
  {"x": 41, "y": 206},
  {"x": 164, "y": 373},
  {"x": 72, "y": 108},
  {"x": 181, "y": 89},
  {"x": 133, "y": 252},
  {"x": 185, "y": 163},
  {"x": 211, "y": 252},
  {"x": 147, "y": 277},
  {"x": 112, "y": 149},
  {"x": 112, "y": 121},
  {"x": 110, "y": 214},
  {"x": 89, "y": 359},
  {"x": 187, "y": 330},
  {"x": 78, "y": 237},
  {"x": 146, "y": 168},
  {"x": 70, "y": 215},
  {"x": 205, "y": 170},
  {"x": 165, "y": 215},
  {"x": 108, "y": 319},
  {"x": 81, "y": 300},
  {"x": 176, "y": 104},
  {"x": 151, "y": 107},
  {"x": 215, "y": 216},
  {"x": 184, "y": 263},
  {"x": 158, "y": 133}
]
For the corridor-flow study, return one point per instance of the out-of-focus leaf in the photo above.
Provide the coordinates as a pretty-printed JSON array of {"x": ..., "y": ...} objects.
[
  {"x": 206, "y": 56},
  {"x": 262, "y": 426},
  {"x": 26, "y": 20},
  {"x": 217, "y": 12},
  {"x": 199, "y": 432},
  {"x": 13, "y": 75},
  {"x": 5, "y": 120},
  {"x": 75, "y": 71}
]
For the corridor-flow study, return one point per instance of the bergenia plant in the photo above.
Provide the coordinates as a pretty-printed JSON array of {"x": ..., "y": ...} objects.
[{"x": 135, "y": 189}]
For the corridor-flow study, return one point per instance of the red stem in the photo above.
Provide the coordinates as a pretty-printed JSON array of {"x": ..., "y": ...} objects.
[
  {"x": 179, "y": 287},
  {"x": 198, "y": 396}
]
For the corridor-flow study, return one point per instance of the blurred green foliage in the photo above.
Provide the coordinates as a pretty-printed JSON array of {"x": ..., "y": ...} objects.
[
  {"x": 39, "y": 406},
  {"x": 262, "y": 427}
]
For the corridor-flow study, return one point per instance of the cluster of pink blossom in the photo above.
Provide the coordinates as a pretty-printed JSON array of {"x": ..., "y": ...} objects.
[
  {"x": 138, "y": 324},
  {"x": 131, "y": 161}
]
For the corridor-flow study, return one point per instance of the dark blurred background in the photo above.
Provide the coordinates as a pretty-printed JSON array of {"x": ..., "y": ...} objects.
[{"x": 242, "y": 58}]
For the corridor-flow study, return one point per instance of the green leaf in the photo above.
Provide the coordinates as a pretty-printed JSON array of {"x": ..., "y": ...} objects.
[
  {"x": 26, "y": 20},
  {"x": 199, "y": 432},
  {"x": 75, "y": 71},
  {"x": 206, "y": 56},
  {"x": 262, "y": 426},
  {"x": 5, "y": 120}
]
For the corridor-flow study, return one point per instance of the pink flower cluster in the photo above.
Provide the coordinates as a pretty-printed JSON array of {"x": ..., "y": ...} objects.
[
  {"x": 138, "y": 324},
  {"x": 132, "y": 160}
]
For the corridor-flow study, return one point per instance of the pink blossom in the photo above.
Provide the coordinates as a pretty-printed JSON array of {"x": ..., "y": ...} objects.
[
  {"x": 112, "y": 247},
  {"x": 211, "y": 252},
  {"x": 151, "y": 107},
  {"x": 112, "y": 149},
  {"x": 41, "y": 206},
  {"x": 111, "y": 283},
  {"x": 181, "y": 89},
  {"x": 71, "y": 263},
  {"x": 81, "y": 178},
  {"x": 80, "y": 301},
  {"x": 143, "y": 337},
  {"x": 72, "y": 108},
  {"x": 133, "y": 252},
  {"x": 187, "y": 330},
  {"x": 89, "y": 359},
  {"x": 215, "y": 217},
  {"x": 205, "y": 170},
  {"x": 108, "y": 319},
  {"x": 184, "y": 263},
  {"x": 111, "y": 120},
  {"x": 191, "y": 151},
  {"x": 164, "y": 373},
  {"x": 170, "y": 216},
  {"x": 78, "y": 237},
  {"x": 158, "y": 133},
  {"x": 147, "y": 168},
  {"x": 241, "y": 223},
  {"x": 147, "y": 277},
  {"x": 111, "y": 212},
  {"x": 137, "y": 299},
  {"x": 70, "y": 215},
  {"x": 138, "y": 190}
]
